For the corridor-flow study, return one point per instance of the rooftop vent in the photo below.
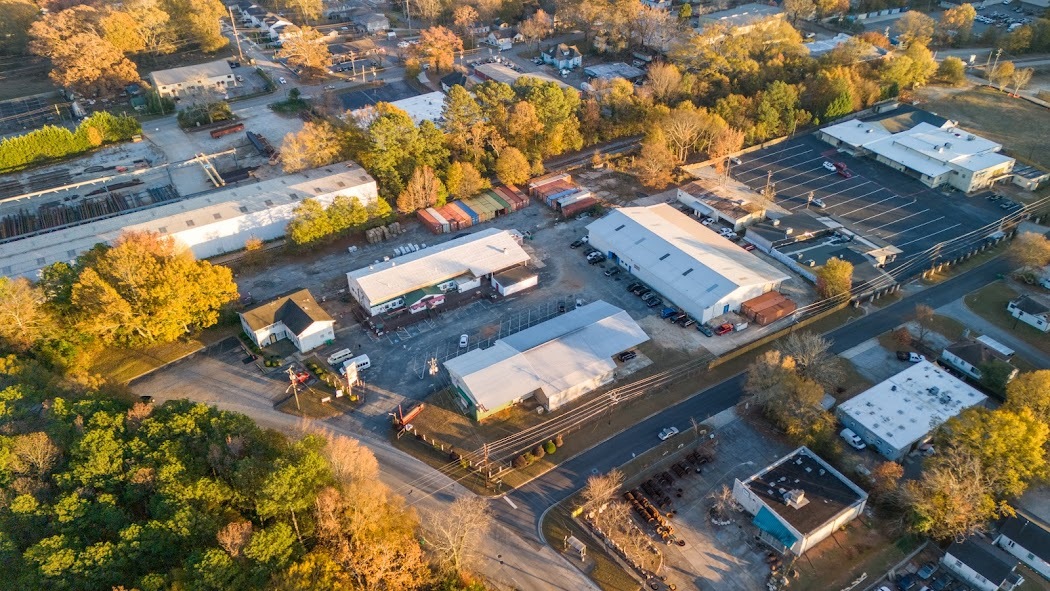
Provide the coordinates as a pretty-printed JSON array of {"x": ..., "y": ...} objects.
[
  {"x": 775, "y": 223},
  {"x": 796, "y": 499},
  {"x": 948, "y": 145}
]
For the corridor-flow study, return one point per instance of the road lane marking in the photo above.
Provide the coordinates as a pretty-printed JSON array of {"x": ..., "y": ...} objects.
[{"x": 510, "y": 502}]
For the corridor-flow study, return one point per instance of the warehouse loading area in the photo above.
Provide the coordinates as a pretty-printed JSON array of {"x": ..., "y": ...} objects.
[{"x": 874, "y": 201}]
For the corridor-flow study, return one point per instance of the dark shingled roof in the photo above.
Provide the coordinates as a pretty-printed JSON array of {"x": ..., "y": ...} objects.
[
  {"x": 975, "y": 353},
  {"x": 905, "y": 117},
  {"x": 991, "y": 562},
  {"x": 1030, "y": 305},
  {"x": 1032, "y": 536},
  {"x": 387, "y": 93},
  {"x": 297, "y": 311}
]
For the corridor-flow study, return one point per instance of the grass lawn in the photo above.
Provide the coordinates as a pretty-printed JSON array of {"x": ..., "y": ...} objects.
[
  {"x": 601, "y": 567},
  {"x": 974, "y": 261},
  {"x": 310, "y": 405},
  {"x": 861, "y": 548},
  {"x": 1016, "y": 123},
  {"x": 990, "y": 302},
  {"x": 124, "y": 365}
]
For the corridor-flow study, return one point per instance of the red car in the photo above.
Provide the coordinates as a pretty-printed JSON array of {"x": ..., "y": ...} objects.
[
  {"x": 724, "y": 329},
  {"x": 841, "y": 168}
]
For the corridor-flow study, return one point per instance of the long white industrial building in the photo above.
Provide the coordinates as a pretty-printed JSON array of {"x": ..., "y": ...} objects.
[
  {"x": 209, "y": 224},
  {"x": 701, "y": 272}
]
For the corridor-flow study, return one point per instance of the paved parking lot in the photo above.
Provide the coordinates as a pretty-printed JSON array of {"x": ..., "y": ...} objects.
[{"x": 876, "y": 201}]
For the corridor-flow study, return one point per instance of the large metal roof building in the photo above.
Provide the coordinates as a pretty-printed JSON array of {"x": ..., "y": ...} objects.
[
  {"x": 556, "y": 361},
  {"x": 703, "y": 273},
  {"x": 456, "y": 265},
  {"x": 208, "y": 224}
]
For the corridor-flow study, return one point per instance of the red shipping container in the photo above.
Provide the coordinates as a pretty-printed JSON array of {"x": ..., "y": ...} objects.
[
  {"x": 579, "y": 206},
  {"x": 428, "y": 220},
  {"x": 516, "y": 193}
]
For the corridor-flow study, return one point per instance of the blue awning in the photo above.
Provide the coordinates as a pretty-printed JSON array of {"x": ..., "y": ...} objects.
[{"x": 768, "y": 522}]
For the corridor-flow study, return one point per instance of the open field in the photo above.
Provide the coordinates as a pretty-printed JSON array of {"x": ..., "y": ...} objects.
[{"x": 1022, "y": 127}]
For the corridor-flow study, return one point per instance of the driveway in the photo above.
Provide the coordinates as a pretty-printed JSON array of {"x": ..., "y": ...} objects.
[{"x": 961, "y": 312}]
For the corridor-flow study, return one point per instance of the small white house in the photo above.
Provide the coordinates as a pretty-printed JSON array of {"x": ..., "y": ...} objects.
[
  {"x": 1029, "y": 541},
  {"x": 968, "y": 355},
  {"x": 982, "y": 566},
  {"x": 1030, "y": 311},
  {"x": 504, "y": 38},
  {"x": 514, "y": 280},
  {"x": 562, "y": 56},
  {"x": 296, "y": 317}
]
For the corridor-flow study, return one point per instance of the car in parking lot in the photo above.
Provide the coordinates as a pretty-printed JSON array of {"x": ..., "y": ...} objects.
[
  {"x": 909, "y": 356},
  {"x": 819, "y": 203},
  {"x": 655, "y": 302},
  {"x": 707, "y": 221},
  {"x": 845, "y": 173},
  {"x": 633, "y": 286},
  {"x": 576, "y": 244},
  {"x": 643, "y": 292},
  {"x": 598, "y": 259},
  {"x": 668, "y": 312},
  {"x": 748, "y": 246},
  {"x": 994, "y": 197},
  {"x": 668, "y": 433},
  {"x": 688, "y": 322},
  {"x": 705, "y": 330},
  {"x": 678, "y": 317},
  {"x": 612, "y": 272},
  {"x": 927, "y": 570},
  {"x": 628, "y": 355},
  {"x": 906, "y": 582},
  {"x": 852, "y": 439},
  {"x": 463, "y": 339},
  {"x": 829, "y": 165},
  {"x": 1007, "y": 204},
  {"x": 724, "y": 329},
  {"x": 282, "y": 80}
]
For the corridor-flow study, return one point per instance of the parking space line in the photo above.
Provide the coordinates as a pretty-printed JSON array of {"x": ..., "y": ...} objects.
[
  {"x": 924, "y": 237},
  {"x": 910, "y": 215},
  {"x": 813, "y": 180},
  {"x": 770, "y": 165},
  {"x": 866, "y": 206},
  {"x": 892, "y": 209},
  {"x": 880, "y": 188},
  {"x": 765, "y": 164},
  {"x": 763, "y": 160},
  {"x": 915, "y": 227},
  {"x": 804, "y": 203}
]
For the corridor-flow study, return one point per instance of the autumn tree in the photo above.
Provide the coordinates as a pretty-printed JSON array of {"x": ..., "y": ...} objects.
[
  {"x": 886, "y": 477},
  {"x": 307, "y": 10},
  {"x": 688, "y": 128},
  {"x": 952, "y": 500},
  {"x": 952, "y": 71},
  {"x": 152, "y": 25},
  {"x": 121, "y": 31},
  {"x": 601, "y": 488},
  {"x": 956, "y": 24},
  {"x": 512, "y": 168},
  {"x": 1029, "y": 251},
  {"x": 813, "y": 358},
  {"x": 145, "y": 290},
  {"x": 655, "y": 163},
  {"x": 728, "y": 141},
  {"x": 310, "y": 223},
  {"x": 915, "y": 27},
  {"x": 198, "y": 22},
  {"x": 835, "y": 278},
  {"x": 1021, "y": 78},
  {"x": 309, "y": 51},
  {"x": 81, "y": 58},
  {"x": 463, "y": 180},
  {"x": 537, "y": 27},
  {"x": 438, "y": 47},
  {"x": 832, "y": 7},
  {"x": 465, "y": 17},
  {"x": 316, "y": 144},
  {"x": 24, "y": 320},
  {"x": 1002, "y": 74},
  {"x": 457, "y": 532},
  {"x": 1030, "y": 390},
  {"x": 800, "y": 9},
  {"x": 664, "y": 80},
  {"x": 424, "y": 189}
]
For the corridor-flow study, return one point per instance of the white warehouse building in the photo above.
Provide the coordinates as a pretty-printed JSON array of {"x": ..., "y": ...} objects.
[
  {"x": 944, "y": 155},
  {"x": 420, "y": 280},
  {"x": 208, "y": 224},
  {"x": 701, "y": 272},
  {"x": 898, "y": 414},
  {"x": 555, "y": 362}
]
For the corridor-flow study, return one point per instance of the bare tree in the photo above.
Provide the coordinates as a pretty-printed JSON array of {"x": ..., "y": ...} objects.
[
  {"x": 601, "y": 489},
  {"x": 350, "y": 461},
  {"x": 923, "y": 321},
  {"x": 234, "y": 537},
  {"x": 34, "y": 454},
  {"x": 813, "y": 359},
  {"x": 457, "y": 531},
  {"x": 1021, "y": 78},
  {"x": 722, "y": 501},
  {"x": 766, "y": 376},
  {"x": 1029, "y": 251}
]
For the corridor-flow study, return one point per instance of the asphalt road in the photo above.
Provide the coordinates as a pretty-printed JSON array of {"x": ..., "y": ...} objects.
[{"x": 532, "y": 499}]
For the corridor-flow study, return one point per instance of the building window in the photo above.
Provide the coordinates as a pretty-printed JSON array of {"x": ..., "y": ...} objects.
[{"x": 958, "y": 563}]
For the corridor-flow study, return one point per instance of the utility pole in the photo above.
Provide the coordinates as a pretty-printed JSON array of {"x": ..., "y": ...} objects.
[
  {"x": 294, "y": 387},
  {"x": 236, "y": 37},
  {"x": 809, "y": 199},
  {"x": 998, "y": 53}
]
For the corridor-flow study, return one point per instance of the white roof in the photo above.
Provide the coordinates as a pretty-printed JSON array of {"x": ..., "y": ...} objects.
[
  {"x": 552, "y": 356},
  {"x": 743, "y": 14},
  {"x": 693, "y": 260},
  {"x": 501, "y": 73},
  {"x": 425, "y": 107},
  {"x": 26, "y": 256},
  {"x": 191, "y": 74},
  {"x": 926, "y": 148},
  {"x": 479, "y": 254},
  {"x": 904, "y": 408}
]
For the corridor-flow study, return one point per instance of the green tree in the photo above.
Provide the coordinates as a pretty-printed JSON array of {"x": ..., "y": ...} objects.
[
  {"x": 512, "y": 168},
  {"x": 685, "y": 12},
  {"x": 346, "y": 214},
  {"x": 835, "y": 278},
  {"x": 310, "y": 223},
  {"x": 995, "y": 375},
  {"x": 952, "y": 71},
  {"x": 15, "y": 24},
  {"x": 952, "y": 499},
  {"x": 461, "y": 113},
  {"x": 145, "y": 290}
]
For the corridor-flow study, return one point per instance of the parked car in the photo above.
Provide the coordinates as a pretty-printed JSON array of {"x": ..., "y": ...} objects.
[
  {"x": 845, "y": 173},
  {"x": 463, "y": 339},
  {"x": 748, "y": 246},
  {"x": 724, "y": 329},
  {"x": 643, "y": 292},
  {"x": 678, "y": 317},
  {"x": 688, "y": 322},
  {"x": 668, "y": 312},
  {"x": 612, "y": 272},
  {"x": 705, "y": 330},
  {"x": 632, "y": 286},
  {"x": 282, "y": 80},
  {"x": 994, "y": 197},
  {"x": 707, "y": 221},
  {"x": 906, "y": 582},
  {"x": 927, "y": 570},
  {"x": 655, "y": 302},
  {"x": 628, "y": 355},
  {"x": 576, "y": 244},
  {"x": 819, "y": 203},
  {"x": 852, "y": 439},
  {"x": 829, "y": 166},
  {"x": 736, "y": 161},
  {"x": 579, "y": 303},
  {"x": 668, "y": 433},
  {"x": 598, "y": 259},
  {"x": 908, "y": 356}
]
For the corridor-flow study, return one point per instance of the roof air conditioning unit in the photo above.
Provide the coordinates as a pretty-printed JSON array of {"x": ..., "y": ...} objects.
[
  {"x": 971, "y": 137},
  {"x": 775, "y": 222},
  {"x": 948, "y": 145},
  {"x": 867, "y": 131}
]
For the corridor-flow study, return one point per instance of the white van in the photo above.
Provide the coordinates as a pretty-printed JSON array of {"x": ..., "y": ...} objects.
[
  {"x": 361, "y": 361},
  {"x": 339, "y": 357}
]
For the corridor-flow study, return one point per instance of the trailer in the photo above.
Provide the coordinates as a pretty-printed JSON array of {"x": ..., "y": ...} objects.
[{"x": 218, "y": 133}]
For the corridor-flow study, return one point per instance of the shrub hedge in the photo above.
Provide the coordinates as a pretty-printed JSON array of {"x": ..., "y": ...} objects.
[{"x": 53, "y": 143}]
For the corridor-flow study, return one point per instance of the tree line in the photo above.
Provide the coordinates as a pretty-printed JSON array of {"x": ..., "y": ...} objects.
[
  {"x": 90, "y": 43},
  {"x": 52, "y": 143},
  {"x": 141, "y": 291},
  {"x": 99, "y": 493}
]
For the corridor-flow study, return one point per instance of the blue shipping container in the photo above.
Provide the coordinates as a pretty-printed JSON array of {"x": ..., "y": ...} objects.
[{"x": 467, "y": 210}]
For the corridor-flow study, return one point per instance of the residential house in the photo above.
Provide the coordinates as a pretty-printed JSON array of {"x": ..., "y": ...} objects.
[
  {"x": 296, "y": 317},
  {"x": 213, "y": 76},
  {"x": 657, "y": 4},
  {"x": 562, "y": 56},
  {"x": 372, "y": 22},
  {"x": 1028, "y": 540},
  {"x": 453, "y": 79},
  {"x": 799, "y": 501},
  {"x": 1030, "y": 311},
  {"x": 982, "y": 566},
  {"x": 969, "y": 355},
  {"x": 504, "y": 38}
]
